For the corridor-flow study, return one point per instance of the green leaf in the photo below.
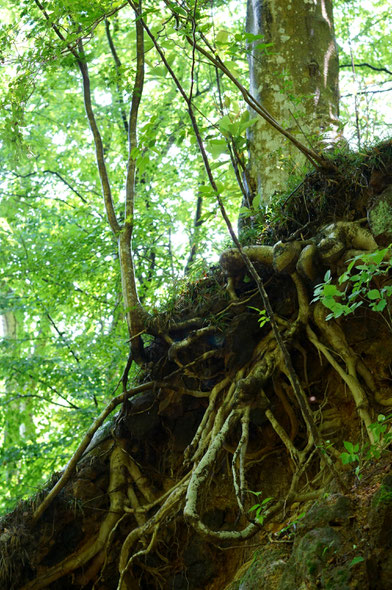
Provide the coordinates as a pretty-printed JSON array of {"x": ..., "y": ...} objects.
[
  {"x": 331, "y": 291},
  {"x": 379, "y": 306},
  {"x": 257, "y": 200},
  {"x": 222, "y": 37},
  {"x": 378, "y": 256},
  {"x": 350, "y": 447},
  {"x": 217, "y": 147},
  {"x": 374, "y": 294},
  {"x": 356, "y": 560},
  {"x": 224, "y": 124},
  {"x": 344, "y": 277},
  {"x": 248, "y": 37},
  {"x": 346, "y": 458}
]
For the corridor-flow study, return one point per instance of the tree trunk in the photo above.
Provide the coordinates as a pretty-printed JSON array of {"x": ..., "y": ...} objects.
[{"x": 296, "y": 80}]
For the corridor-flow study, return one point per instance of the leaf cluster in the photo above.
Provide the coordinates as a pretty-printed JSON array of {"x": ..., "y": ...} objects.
[{"x": 356, "y": 285}]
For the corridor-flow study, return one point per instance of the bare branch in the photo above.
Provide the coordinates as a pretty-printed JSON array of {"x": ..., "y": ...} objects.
[
  {"x": 45, "y": 399},
  {"x": 58, "y": 176},
  {"x": 117, "y": 63},
  {"x": 366, "y": 92},
  {"x": 101, "y": 164},
  {"x": 366, "y": 65},
  {"x": 71, "y": 405}
]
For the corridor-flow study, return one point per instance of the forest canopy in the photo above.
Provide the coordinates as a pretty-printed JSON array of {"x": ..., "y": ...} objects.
[{"x": 65, "y": 341}]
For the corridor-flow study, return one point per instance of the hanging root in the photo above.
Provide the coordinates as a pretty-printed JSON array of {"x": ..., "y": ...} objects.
[
  {"x": 338, "y": 344},
  {"x": 239, "y": 481},
  {"x": 200, "y": 475}
]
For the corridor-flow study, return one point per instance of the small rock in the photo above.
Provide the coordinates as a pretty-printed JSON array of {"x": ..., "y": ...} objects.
[{"x": 380, "y": 217}]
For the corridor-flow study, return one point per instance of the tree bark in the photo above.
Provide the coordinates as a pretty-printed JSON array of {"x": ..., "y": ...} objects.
[{"x": 296, "y": 80}]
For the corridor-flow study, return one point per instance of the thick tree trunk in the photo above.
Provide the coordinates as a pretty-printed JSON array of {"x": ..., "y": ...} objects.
[{"x": 296, "y": 80}]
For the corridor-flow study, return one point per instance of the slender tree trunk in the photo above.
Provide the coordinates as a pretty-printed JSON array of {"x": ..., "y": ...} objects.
[
  {"x": 19, "y": 425},
  {"x": 296, "y": 80},
  {"x": 195, "y": 237}
]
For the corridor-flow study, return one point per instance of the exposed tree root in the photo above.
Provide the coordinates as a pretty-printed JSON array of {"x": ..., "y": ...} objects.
[
  {"x": 255, "y": 408},
  {"x": 354, "y": 386},
  {"x": 83, "y": 555}
]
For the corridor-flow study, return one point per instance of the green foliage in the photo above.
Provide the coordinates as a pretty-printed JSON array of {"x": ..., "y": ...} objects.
[
  {"x": 263, "y": 318},
  {"x": 260, "y": 508},
  {"x": 364, "y": 35},
  {"x": 352, "y": 453},
  {"x": 356, "y": 285},
  {"x": 363, "y": 454},
  {"x": 356, "y": 560}
]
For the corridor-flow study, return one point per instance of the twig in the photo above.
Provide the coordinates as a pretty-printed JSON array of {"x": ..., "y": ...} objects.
[
  {"x": 45, "y": 399},
  {"x": 363, "y": 65},
  {"x": 117, "y": 63}
]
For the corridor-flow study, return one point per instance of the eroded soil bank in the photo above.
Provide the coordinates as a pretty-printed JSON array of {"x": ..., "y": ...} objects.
[{"x": 225, "y": 472}]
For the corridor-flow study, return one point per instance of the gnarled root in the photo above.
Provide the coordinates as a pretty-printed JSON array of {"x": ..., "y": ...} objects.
[
  {"x": 91, "y": 549},
  {"x": 339, "y": 345}
]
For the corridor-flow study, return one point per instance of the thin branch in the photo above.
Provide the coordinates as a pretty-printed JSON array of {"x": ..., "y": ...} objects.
[
  {"x": 194, "y": 241},
  {"x": 366, "y": 65},
  {"x": 27, "y": 197},
  {"x": 46, "y": 384},
  {"x": 366, "y": 92},
  {"x": 61, "y": 334},
  {"x": 356, "y": 105},
  {"x": 133, "y": 116},
  {"x": 82, "y": 64},
  {"x": 66, "y": 183},
  {"x": 234, "y": 155},
  {"x": 58, "y": 176},
  {"x": 193, "y": 50},
  {"x": 99, "y": 151},
  {"x": 117, "y": 63},
  {"x": 45, "y": 399}
]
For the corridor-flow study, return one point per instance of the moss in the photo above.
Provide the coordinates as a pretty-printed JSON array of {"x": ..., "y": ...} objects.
[
  {"x": 310, "y": 559},
  {"x": 266, "y": 569}
]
